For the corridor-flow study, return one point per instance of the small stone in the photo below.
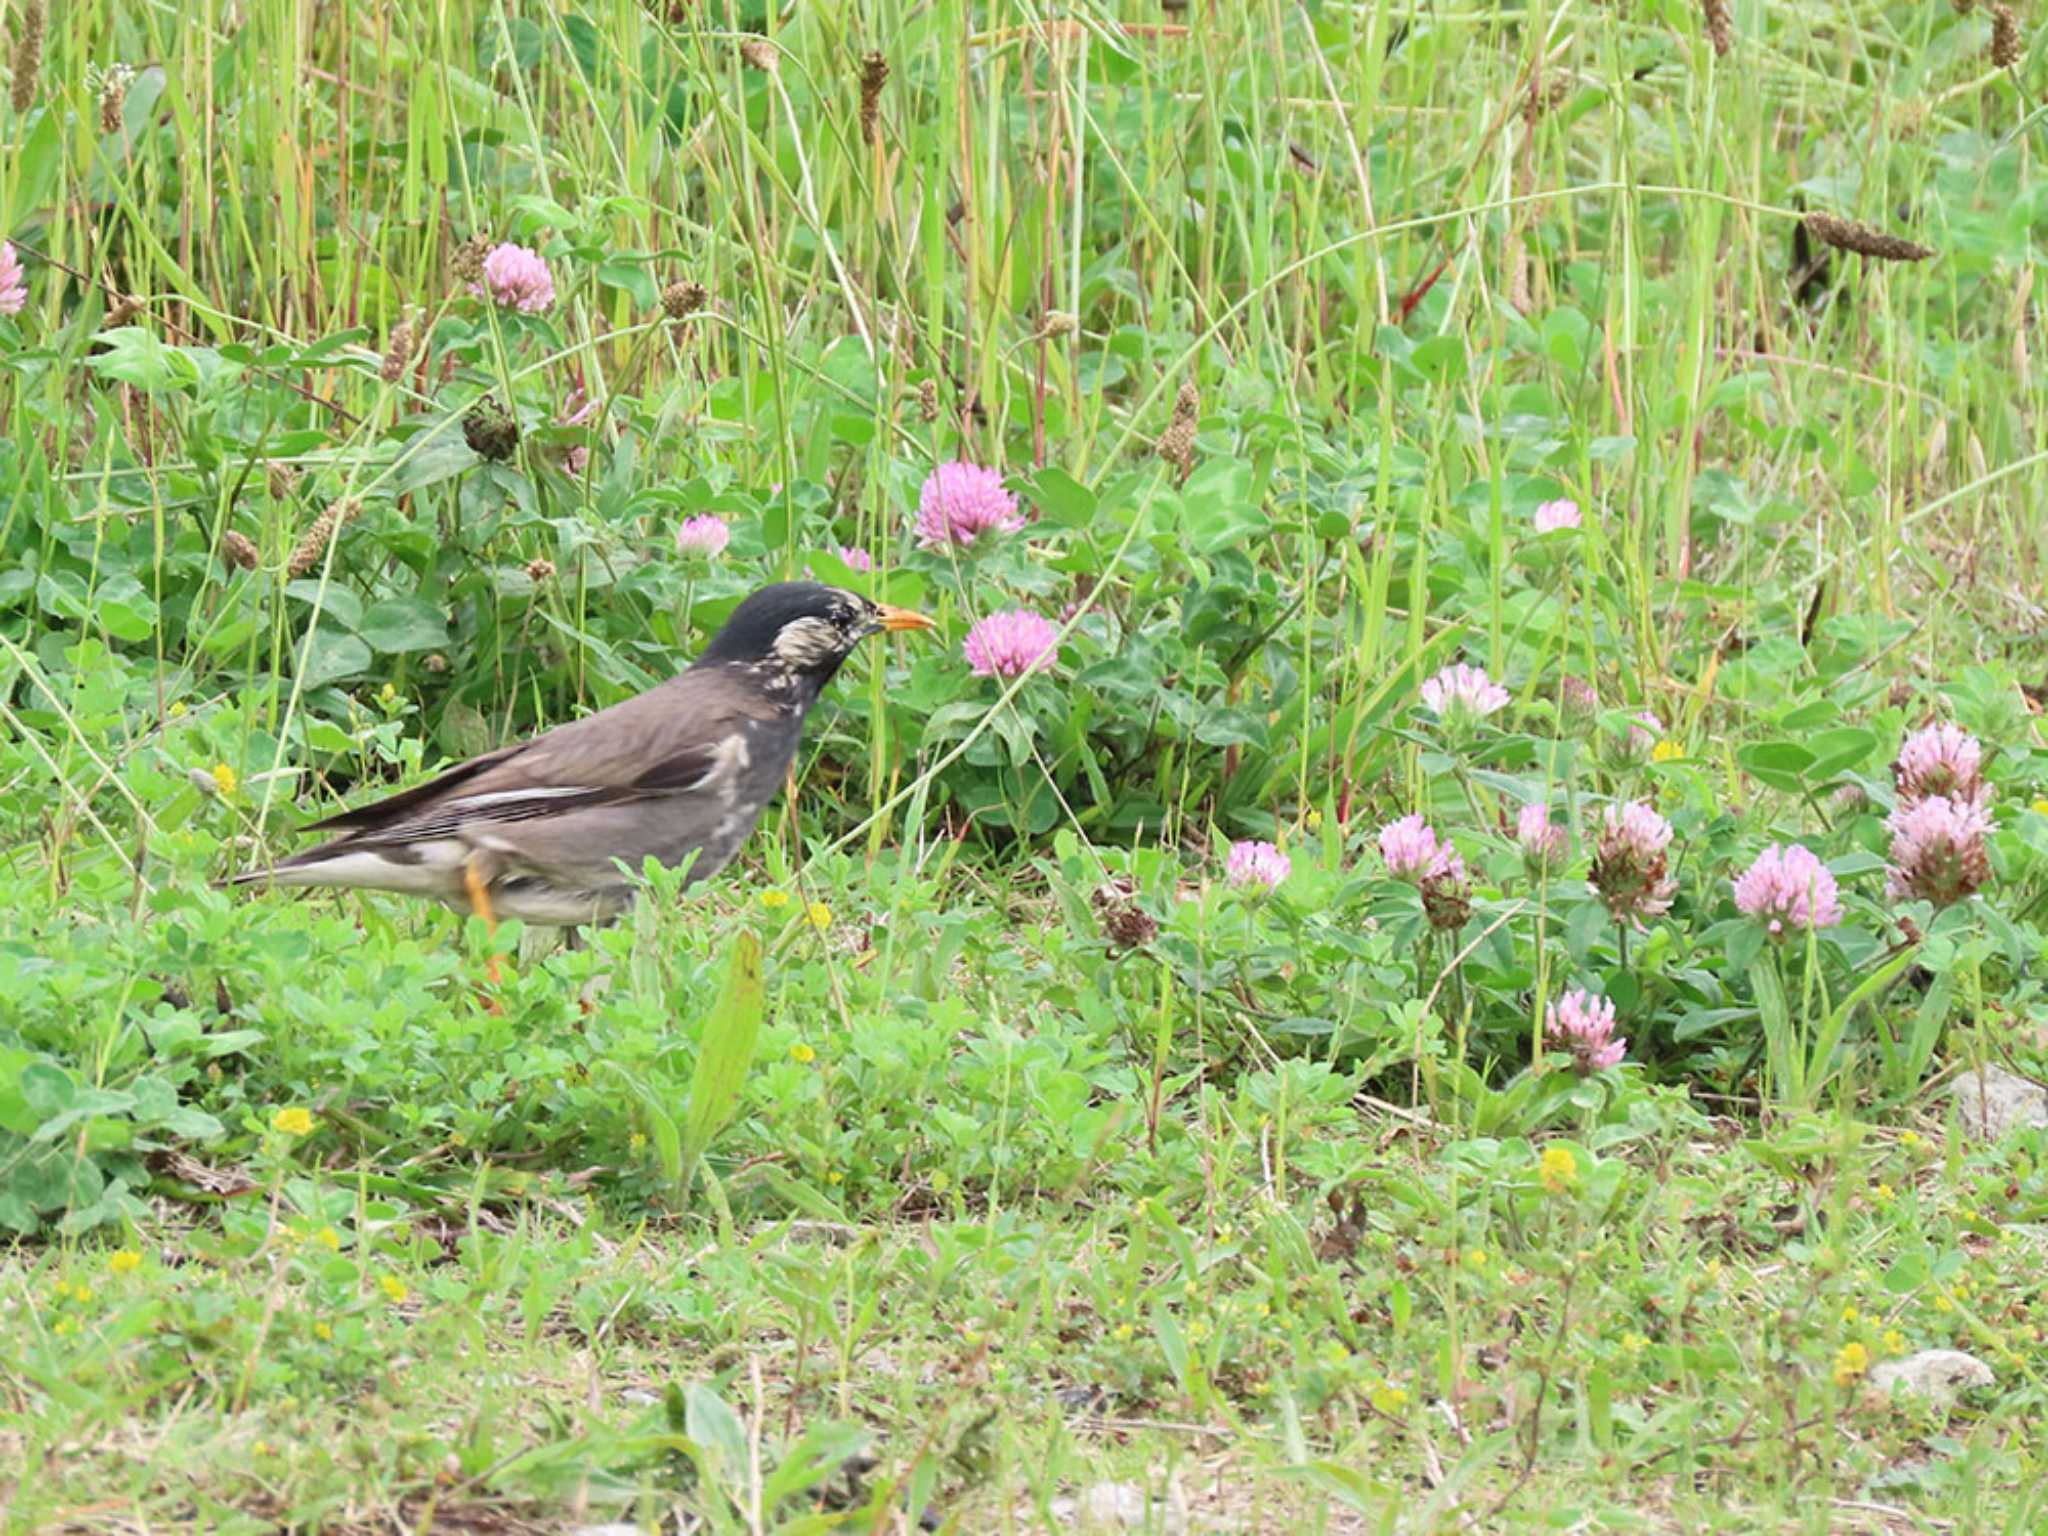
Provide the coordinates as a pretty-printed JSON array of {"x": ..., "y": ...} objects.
[
  {"x": 1124, "y": 1507},
  {"x": 1993, "y": 1101},
  {"x": 1938, "y": 1375}
]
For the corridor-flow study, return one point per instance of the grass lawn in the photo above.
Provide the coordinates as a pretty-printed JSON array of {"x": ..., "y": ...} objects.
[{"x": 1473, "y": 962}]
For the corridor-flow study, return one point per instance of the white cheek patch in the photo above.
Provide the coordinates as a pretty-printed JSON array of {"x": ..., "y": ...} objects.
[{"x": 806, "y": 642}]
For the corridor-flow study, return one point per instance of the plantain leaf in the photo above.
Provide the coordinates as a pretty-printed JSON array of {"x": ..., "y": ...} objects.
[{"x": 725, "y": 1051}]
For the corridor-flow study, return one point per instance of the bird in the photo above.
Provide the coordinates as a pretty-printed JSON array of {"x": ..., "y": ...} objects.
[{"x": 552, "y": 830}]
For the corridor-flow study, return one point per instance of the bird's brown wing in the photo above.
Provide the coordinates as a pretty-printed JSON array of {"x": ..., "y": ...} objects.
[{"x": 666, "y": 740}]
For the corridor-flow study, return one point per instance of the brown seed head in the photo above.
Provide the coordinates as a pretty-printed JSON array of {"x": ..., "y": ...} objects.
[
  {"x": 2005, "y": 37},
  {"x": 490, "y": 430},
  {"x": 1720, "y": 30},
  {"x": 1124, "y": 923},
  {"x": 27, "y": 62},
  {"x": 1964, "y": 7},
  {"x": 1058, "y": 323},
  {"x": 680, "y": 300},
  {"x": 282, "y": 478},
  {"x": 928, "y": 399},
  {"x": 237, "y": 550},
  {"x": 114, "y": 96},
  {"x": 398, "y": 352},
  {"x": 1446, "y": 900},
  {"x": 539, "y": 570},
  {"x": 874, "y": 74},
  {"x": 1177, "y": 445},
  {"x": 308, "y": 552},
  {"x": 468, "y": 261},
  {"x": 1187, "y": 401},
  {"x": 759, "y": 53},
  {"x": 1863, "y": 239},
  {"x": 123, "y": 310},
  {"x": 436, "y": 664}
]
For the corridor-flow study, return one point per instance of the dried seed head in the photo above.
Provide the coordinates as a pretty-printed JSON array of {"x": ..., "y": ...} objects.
[
  {"x": 759, "y": 53},
  {"x": 114, "y": 96},
  {"x": 1720, "y": 31},
  {"x": 308, "y": 552},
  {"x": 490, "y": 430},
  {"x": 2005, "y": 37},
  {"x": 398, "y": 352},
  {"x": 282, "y": 478},
  {"x": 1058, "y": 323},
  {"x": 1964, "y": 7},
  {"x": 1864, "y": 240},
  {"x": 1187, "y": 402},
  {"x": 680, "y": 300},
  {"x": 436, "y": 664},
  {"x": 1125, "y": 924},
  {"x": 1177, "y": 445},
  {"x": 237, "y": 550},
  {"x": 468, "y": 261},
  {"x": 928, "y": 399},
  {"x": 539, "y": 570},
  {"x": 123, "y": 310},
  {"x": 874, "y": 74},
  {"x": 1446, "y": 899},
  {"x": 27, "y": 62}
]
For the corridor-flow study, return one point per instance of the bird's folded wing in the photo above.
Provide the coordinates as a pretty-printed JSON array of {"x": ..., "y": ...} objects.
[{"x": 669, "y": 740}]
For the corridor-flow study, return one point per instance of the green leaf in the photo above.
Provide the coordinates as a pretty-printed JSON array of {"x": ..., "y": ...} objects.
[
  {"x": 400, "y": 624},
  {"x": 1064, "y": 501},
  {"x": 1838, "y": 751},
  {"x": 135, "y": 356},
  {"x": 1173, "y": 1343},
  {"x": 713, "y": 1425},
  {"x": 725, "y": 1051},
  {"x": 1782, "y": 765},
  {"x": 40, "y": 166},
  {"x": 633, "y": 278},
  {"x": 328, "y": 657}
]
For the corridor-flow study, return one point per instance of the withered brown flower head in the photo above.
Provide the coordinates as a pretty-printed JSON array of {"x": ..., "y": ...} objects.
[
  {"x": 1124, "y": 923},
  {"x": 398, "y": 352},
  {"x": 681, "y": 299},
  {"x": 468, "y": 261},
  {"x": 540, "y": 569},
  {"x": 237, "y": 550},
  {"x": 1447, "y": 899},
  {"x": 1720, "y": 28},
  {"x": 490, "y": 430},
  {"x": 114, "y": 97}
]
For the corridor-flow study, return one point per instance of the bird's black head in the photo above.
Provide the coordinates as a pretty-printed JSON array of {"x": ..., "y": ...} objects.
[{"x": 804, "y": 630}]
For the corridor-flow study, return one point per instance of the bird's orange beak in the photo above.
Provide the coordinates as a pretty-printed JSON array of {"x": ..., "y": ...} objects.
[{"x": 902, "y": 618}]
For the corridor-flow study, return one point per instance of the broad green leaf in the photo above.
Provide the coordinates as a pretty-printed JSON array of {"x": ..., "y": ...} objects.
[{"x": 400, "y": 624}]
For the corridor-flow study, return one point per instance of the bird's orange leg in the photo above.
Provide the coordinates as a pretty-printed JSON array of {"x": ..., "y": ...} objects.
[{"x": 479, "y": 892}]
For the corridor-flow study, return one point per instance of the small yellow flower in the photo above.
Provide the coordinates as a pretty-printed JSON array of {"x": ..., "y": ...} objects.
[
  {"x": 835, "y": 1177},
  {"x": 1558, "y": 1169},
  {"x": 124, "y": 1261},
  {"x": 802, "y": 1054},
  {"x": 261, "y": 1447},
  {"x": 1262, "y": 1388},
  {"x": 1943, "y": 1304},
  {"x": 322, "y": 1331},
  {"x": 1884, "y": 1193},
  {"x": 1388, "y": 1398},
  {"x": 1665, "y": 751},
  {"x": 774, "y": 901},
  {"x": 387, "y": 695},
  {"x": 81, "y": 1292},
  {"x": 1262, "y": 1310},
  {"x": 177, "y": 709},
  {"x": 292, "y": 1122},
  {"x": 1634, "y": 1343},
  {"x": 1475, "y": 1258},
  {"x": 820, "y": 916},
  {"x": 1851, "y": 1363},
  {"x": 1313, "y": 821},
  {"x": 637, "y": 1140},
  {"x": 1894, "y": 1342},
  {"x": 1850, "y": 1314},
  {"x": 2039, "y": 807},
  {"x": 393, "y": 1287},
  {"x": 1121, "y": 1331},
  {"x": 1909, "y": 1139},
  {"x": 457, "y": 1139},
  {"x": 224, "y": 780},
  {"x": 329, "y": 1239}
]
